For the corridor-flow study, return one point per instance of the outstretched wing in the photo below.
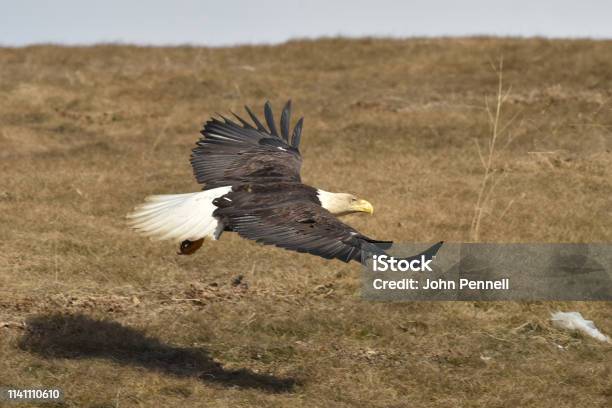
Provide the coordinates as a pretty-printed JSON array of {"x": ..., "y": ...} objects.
[
  {"x": 230, "y": 153},
  {"x": 301, "y": 226}
]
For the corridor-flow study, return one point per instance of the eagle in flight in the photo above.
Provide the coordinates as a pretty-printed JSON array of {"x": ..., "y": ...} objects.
[{"x": 251, "y": 182}]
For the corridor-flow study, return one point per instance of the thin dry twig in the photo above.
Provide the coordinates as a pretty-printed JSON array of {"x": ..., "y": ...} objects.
[{"x": 489, "y": 181}]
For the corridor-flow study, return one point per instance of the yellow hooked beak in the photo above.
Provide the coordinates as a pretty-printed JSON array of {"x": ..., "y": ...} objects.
[{"x": 363, "y": 206}]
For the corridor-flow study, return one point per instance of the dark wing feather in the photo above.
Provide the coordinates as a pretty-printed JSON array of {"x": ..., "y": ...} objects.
[
  {"x": 297, "y": 133},
  {"x": 244, "y": 123},
  {"x": 270, "y": 118},
  {"x": 286, "y": 120},
  {"x": 231, "y": 153},
  {"x": 259, "y": 125},
  {"x": 294, "y": 224}
]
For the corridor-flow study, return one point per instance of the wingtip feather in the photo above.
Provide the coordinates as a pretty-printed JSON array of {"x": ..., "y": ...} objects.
[
  {"x": 286, "y": 120},
  {"x": 269, "y": 115},
  {"x": 297, "y": 133}
]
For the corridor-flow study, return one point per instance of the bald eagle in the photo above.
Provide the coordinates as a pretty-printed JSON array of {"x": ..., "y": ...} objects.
[{"x": 251, "y": 182}]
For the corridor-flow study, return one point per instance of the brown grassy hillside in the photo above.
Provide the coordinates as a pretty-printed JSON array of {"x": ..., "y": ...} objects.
[{"x": 119, "y": 321}]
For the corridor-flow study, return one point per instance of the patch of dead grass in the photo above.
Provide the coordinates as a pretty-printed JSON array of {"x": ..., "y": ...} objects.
[{"x": 117, "y": 320}]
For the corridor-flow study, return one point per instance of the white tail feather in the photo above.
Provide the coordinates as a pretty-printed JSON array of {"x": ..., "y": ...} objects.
[{"x": 179, "y": 216}]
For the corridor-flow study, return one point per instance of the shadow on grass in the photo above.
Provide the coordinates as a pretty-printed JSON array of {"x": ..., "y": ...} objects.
[{"x": 80, "y": 337}]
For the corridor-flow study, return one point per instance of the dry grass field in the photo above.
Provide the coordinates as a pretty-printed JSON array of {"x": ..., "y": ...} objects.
[{"x": 119, "y": 321}]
